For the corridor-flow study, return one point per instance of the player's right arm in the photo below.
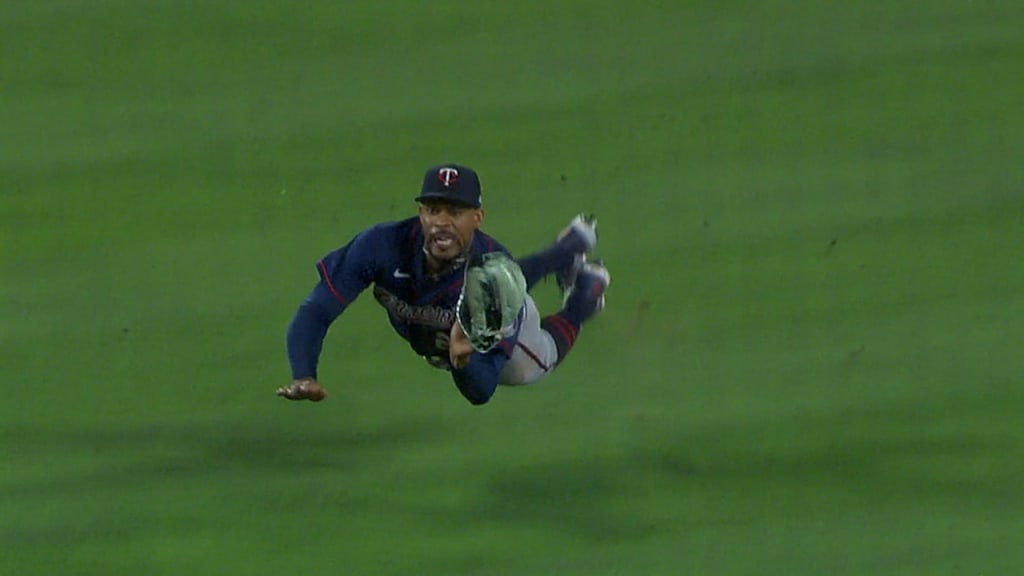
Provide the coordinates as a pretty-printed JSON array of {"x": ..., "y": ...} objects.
[{"x": 344, "y": 274}]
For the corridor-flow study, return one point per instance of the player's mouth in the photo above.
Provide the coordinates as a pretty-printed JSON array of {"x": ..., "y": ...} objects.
[{"x": 443, "y": 241}]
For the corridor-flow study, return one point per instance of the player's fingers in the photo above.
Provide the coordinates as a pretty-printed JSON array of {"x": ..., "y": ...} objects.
[
  {"x": 302, "y": 391},
  {"x": 314, "y": 392},
  {"x": 291, "y": 392}
]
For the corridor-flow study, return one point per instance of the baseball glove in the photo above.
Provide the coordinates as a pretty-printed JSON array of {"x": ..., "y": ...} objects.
[{"x": 493, "y": 293}]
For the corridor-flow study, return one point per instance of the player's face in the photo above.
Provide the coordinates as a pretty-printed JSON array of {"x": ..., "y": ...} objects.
[{"x": 448, "y": 228}]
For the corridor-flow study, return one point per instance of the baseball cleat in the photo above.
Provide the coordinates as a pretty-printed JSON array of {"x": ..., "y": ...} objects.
[
  {"x": 580, "y": 236},
  {"x": 591, "y": 283},
  {"x": 599, "y": 278}
]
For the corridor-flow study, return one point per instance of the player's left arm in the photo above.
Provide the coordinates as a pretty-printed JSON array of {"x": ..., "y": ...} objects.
[
  {"x": 489, "y": 315},
  {"x": 478, "y": 378},
  {"x": 477, "y": 374}
]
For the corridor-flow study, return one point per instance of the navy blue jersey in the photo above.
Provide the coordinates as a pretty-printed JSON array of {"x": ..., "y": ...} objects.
[{"x": 421, "y": 309}]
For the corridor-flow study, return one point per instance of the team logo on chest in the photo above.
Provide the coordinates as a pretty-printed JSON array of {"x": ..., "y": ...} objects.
[
  {"x": 427, "y": 315},
  {"x": 448, "y": 176}
]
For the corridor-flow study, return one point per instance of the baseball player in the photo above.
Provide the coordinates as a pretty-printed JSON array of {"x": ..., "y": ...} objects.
[{"x": 453, "y": 292}]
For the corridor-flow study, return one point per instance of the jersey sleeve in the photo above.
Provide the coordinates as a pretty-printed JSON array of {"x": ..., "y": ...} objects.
[
  {"x": 344, "y": 274},
  {"x": 479, "y": 379}
]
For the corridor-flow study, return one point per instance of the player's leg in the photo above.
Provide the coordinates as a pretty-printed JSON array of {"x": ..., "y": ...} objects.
[
  {"x": 584, "y": 300},
  {"x": 535, "y": 353},
  {"x": 563, "y": 258},
  {"x": 544, "y": 342}
]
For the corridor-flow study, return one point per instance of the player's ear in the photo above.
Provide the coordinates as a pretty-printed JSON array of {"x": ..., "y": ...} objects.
[{"x": 478, "y": 217}]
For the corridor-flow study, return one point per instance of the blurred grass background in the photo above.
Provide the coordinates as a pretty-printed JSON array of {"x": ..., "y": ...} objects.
[{"x": 809, "y": 364}]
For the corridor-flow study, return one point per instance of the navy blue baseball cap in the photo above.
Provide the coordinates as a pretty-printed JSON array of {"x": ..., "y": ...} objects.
[{"x": 451, "y": 182}]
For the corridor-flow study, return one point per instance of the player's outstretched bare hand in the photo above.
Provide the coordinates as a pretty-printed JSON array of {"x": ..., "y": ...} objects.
[{"x": 303, "y": 389}]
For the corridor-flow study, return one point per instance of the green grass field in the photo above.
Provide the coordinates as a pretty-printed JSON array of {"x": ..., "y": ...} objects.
[{"x": 810, "y": 362}]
